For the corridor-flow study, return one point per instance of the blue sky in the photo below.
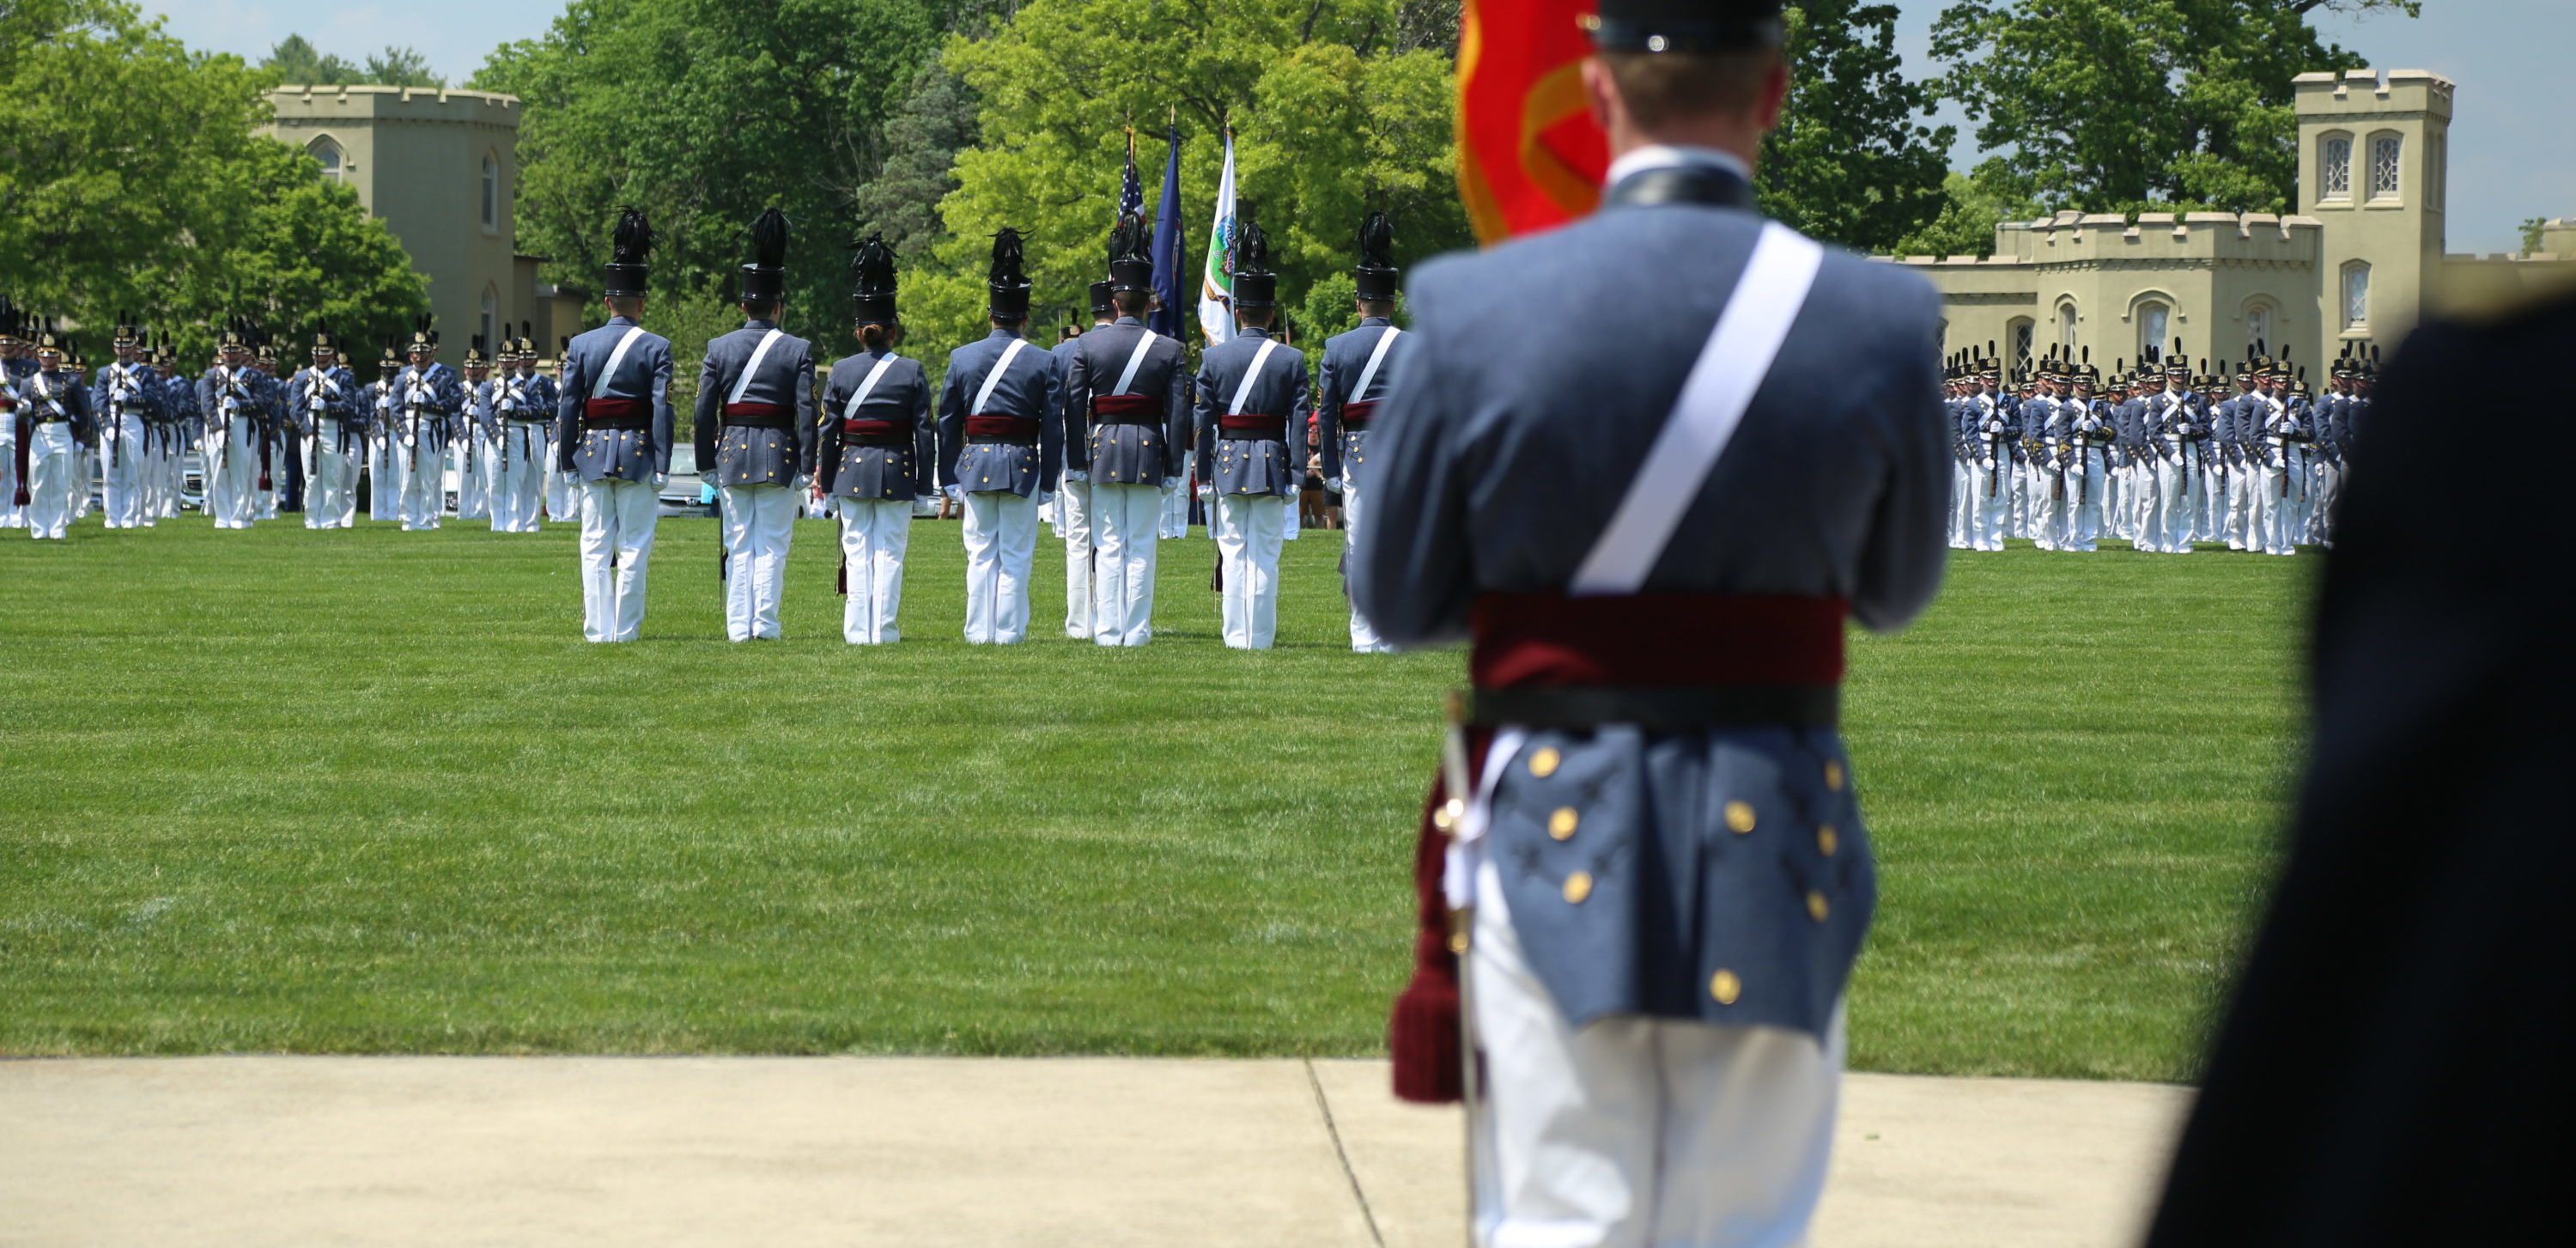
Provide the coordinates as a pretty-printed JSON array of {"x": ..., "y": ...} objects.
[{"x": 2512, "y": 154}]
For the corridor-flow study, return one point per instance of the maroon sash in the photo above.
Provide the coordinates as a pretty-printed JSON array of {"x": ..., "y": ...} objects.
[
  {"x": 1130, "y": 409},
  {"x": 616, "y": 412},
  {"x": 1007, "y": 428},
  {"x": 1254, "y": 427},
  {"x": 1358, "y": 415}
]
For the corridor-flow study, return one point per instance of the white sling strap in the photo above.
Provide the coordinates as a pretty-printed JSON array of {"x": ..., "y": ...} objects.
[
  {"x": 759, "y": 353},
  {"x": 1135, "y": 360},
  {"x": 1721, "y": 386},
  {"x": 1251, "y": 376},
  {"x": 868, "y": 386},
  {"x": 599, "y": 388},
  {"x": 994, "y": 378},
  {"x": 1368, "y": 373}
]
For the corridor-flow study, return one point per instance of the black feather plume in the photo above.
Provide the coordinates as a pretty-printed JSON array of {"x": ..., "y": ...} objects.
[
  {"x": 872, "y": 264},
  {"x": 1007, "y": 252},
  {"x": 1377, "y": 241},
  {"x": 633, "y": 242},
  {"x": 1251, "y": 242},
  {"x": 1130, "y": 240},
  {"x": 769, "y": 239}
]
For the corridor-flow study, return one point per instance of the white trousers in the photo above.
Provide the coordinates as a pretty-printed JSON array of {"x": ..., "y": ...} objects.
[
  {"x": 53, "y": 465},
  {"x": 152, "y": 464},
  {"x": 2329, "y": 489},
  {"x": 2047, "y": 512},
  {"x": 424, "y": 483},
  {"x": 84, "y": 471},
  {"x": 2240, "y": 508},
  {"x": 2171, "y": 526},
  {"x": 2111, "y": 499},
  {"x": 384, "y": 477},
  {"x": 1635, "y": 1132},
  {"x": 1175, "y": 519},
  {"x": 874, "y": 535},
  {"x": 1248, "y": 534},
  {"x": 759, "y": 522},
  {"x": 472, "y": 456},
  {"x": 2303, "y": 498},
  {"x": 1001, "y": 543},
  {"x": 1124, "y": 520},
  {"x": 1364, "y": 638},
  {"x": 2276, "y": 511},
  {"x": 1987, "y": 505},
  {"x": 617, "y": 520},
  {"x": 2083, "y": 504},
  {"x": 519, "y": 478},
  {"x": 561, "y": 500},
  {"x": 12, "y": 516},
  {"x": 1073, "y": 522},
  {"x": 233, "y": 477},
  {"x": 120, "y": 478},
  {"x": 331, "y": 492},
  {"x": 1958, "y": 505},
  {"x": 1295, "y": 520}
]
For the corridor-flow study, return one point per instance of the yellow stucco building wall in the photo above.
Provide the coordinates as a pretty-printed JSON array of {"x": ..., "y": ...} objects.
[{"x": 2358, "y": 264}]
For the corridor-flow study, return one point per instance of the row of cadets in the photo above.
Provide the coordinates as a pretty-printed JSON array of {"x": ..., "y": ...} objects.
[
  {"x": 755, "y": 434},
  {"x": 873, "y": 450}
]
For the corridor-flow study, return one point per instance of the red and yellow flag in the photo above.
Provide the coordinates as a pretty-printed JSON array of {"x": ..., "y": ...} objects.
[{"x": 1529, "y": 156}]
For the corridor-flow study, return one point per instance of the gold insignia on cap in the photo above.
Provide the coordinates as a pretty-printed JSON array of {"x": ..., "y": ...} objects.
[
  {"x": 1577, "y": 887},
  {"x": 1739, "y": 817},
  {"x": 1725, "y": 987},
  {"x": 1827, "y": 841},
  {"x": 1561, "y": 824},
  {"x": 1543, "y": 764},
  {"x": 1834, "y": 775},
  {"x": 1816, "y": 908}
]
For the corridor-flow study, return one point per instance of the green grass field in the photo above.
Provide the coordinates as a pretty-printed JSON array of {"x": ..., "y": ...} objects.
[{"x": 368, "y": 792}]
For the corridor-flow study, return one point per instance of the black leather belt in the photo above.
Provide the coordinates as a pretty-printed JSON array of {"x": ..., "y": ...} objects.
[{"x": 1656, "y": 710}]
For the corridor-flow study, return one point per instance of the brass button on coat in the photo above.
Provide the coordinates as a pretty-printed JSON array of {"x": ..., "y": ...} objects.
[
  {"x": 1827, "y": 841},
  {"x": 1725, "y": 987},
  {"x": 1834, "y": 775},
  {"x": 1561, "y": 824},
  {"x": 1739, "y": 817},
  {"x": 1577, "y": 887},
  {"x": 1543, "y": 764},
  {"x": 1816, "y": 908}
]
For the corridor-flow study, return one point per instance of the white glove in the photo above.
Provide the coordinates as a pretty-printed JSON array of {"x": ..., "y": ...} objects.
[
  {"x": 1046, "y": 498},
  {"x": 661, "y": 479},
  {"x": 1332, "y": 485},
  {"x": 1207, "y": 495},
  {"x": 1171, "y": 483},
  {"x": 1987, "y": 463},
  {"x": 1076, "y": 476},
  {"x": 798, "y": 484},
  {"x": 569, "y": 478},
  {"x": 955, "y": 493}
]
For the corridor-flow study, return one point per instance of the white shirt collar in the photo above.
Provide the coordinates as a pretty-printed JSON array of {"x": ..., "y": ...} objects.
[{"x": 1662, "y": 155}]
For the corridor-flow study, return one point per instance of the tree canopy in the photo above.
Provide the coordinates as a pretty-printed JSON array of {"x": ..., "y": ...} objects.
[
  {"x": 295, "y": 60},
  {"x": 169, "y": 204}
]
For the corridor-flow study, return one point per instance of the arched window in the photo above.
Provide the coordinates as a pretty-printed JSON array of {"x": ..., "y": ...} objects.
[
  {"x": 491, "y": 192},
  {"x": 2153, "y": 318},
  {"x": 2258, "y": 326},
  {"x": 328, "y": 155},
  {"x": 2356, "y": 295},
  {"x": 2018, "y": 339},
  {"x": 2066, "y": 330},
  {"x": 490, "y": 322},
  {"x": 2385, "y": 165},
  {"x": 2334, "y": 167}
]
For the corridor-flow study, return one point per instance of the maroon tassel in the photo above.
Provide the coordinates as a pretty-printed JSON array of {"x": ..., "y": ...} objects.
[
  {"x": 263, "y": 461},
  {"x": 26, "y": 433},
  {"x": 1423, "y": 1035},
  {"x": 841, "y": 579}
]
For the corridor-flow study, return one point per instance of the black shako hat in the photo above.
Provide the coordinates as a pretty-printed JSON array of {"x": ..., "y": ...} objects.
[
  {"x": 630, "y": 261},
  {"x": 1377, "y": 273},
  {"x": 1131, "y": 267},
  {"x": 1255, "y": 286},
  {"x": 872, "y": 267},
  {"x": 1686, "y": 25},
  {"x": 764, "y": 277},
  {"x": 1007, "y": 282},
  {"x": 1101, "y": 303}
]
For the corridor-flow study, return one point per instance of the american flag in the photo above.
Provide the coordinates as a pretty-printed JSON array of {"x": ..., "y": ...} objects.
[{"x": 1131, "y": 190}]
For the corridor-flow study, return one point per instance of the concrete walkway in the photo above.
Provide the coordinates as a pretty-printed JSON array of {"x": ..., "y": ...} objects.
[{"x": 935, "y": 1153}]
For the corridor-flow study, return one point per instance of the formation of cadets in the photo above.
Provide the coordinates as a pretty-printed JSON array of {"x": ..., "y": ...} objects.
[{"x": 2163, "y": 457}]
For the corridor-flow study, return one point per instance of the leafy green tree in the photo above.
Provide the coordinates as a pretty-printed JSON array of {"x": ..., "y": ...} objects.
[
  {"x": 401, "y": 67},
  {"x": 1330, "y": 121},
  {"x": 703, "y": 112},
  {"x": 1851, "y": 160},
  {"x": 1972, "y": 204},
  {"x": 169, "y": 204},
  {"x": 296, "y": 60},
  {"x": 2104, "y": 105},
  {"x": 2534, "y": 229},
  {"x": 922, "y": 139}
]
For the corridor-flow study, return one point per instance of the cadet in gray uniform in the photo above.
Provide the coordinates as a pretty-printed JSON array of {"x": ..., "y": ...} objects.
[
  {"x": 126, "y": 401},
  {"x": 1251, "y": 394},
  {"x": 13, "y": 475},
  {"x": 231, "y": 396},
  {"x": 1073, "y": 494},
  {"x": 1126, "y": 424},
  {"x": 53, "y": 409},
  {"x": 1360, "y": 368},
  {"x": 525, "y": 404},
  {"x": 1001, "y": 439},
  {"x": 755, "y": 427},
  {"x": 874, "y": 450},
  {"x": 427, "y": 397},
  {"x": 613, "y": 431},
  {"x": 1658, "y": 864},
  {"x": 329, "y": 397}
]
